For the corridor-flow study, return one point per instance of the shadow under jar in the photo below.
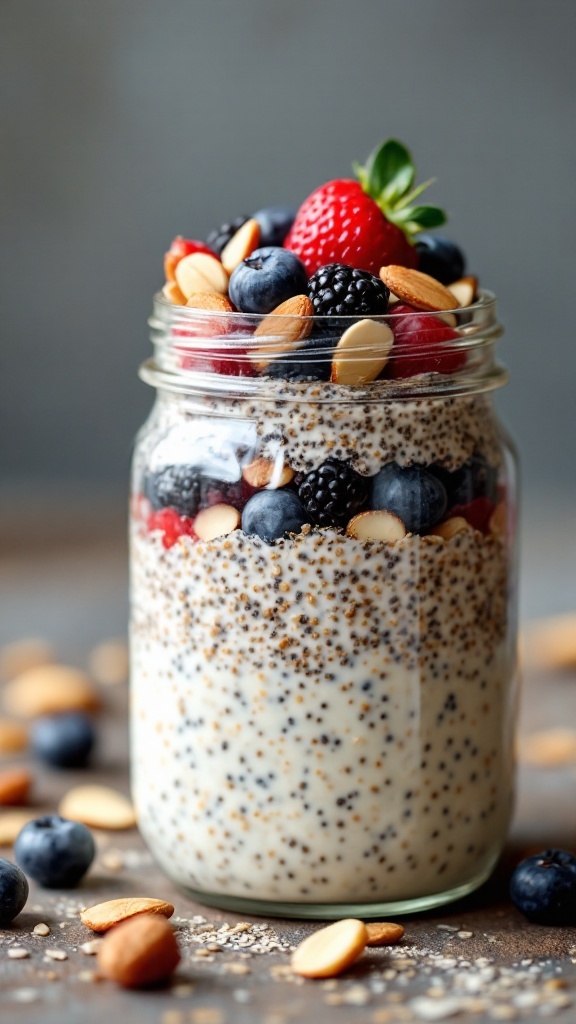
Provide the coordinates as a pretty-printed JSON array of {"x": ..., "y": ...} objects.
[{"x": 322, "y": 721}]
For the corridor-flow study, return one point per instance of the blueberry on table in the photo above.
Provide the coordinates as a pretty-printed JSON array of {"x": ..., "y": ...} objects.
[
  {"x": 13, "y": 891},
  {"x": 218, "y": 238},
  {"x": 412, "y": 493},
  {"x": 543, "y": 887},
  {"x": 273, "y": 514},
  {"x": 275, "y": 223},
  {"x": 65, "y": 741},
  {"x": 54, "y": 851},
  {"x": 333, "y": 493},
  {"x": 440, "y": 258},
  {"x": 338, "y": 290},
  {"x": 268, "y": 277}
]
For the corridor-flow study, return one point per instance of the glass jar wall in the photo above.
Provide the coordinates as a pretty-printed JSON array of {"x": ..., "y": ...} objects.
[{"x": 323, "y": 616}]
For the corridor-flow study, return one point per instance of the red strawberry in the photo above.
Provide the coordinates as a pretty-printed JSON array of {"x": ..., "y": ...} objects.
[
  {"x": 172, "y": 525},
  {"x": 416, "y": 336},
  {"x": 368, "y": 223},
  {"x": 179, "y": 248}
]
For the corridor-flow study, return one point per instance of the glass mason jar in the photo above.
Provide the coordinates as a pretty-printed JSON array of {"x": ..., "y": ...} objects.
[{"x": 323, "y": 676}]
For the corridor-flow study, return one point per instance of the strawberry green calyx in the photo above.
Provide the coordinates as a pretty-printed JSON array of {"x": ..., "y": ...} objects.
[{"x": 388, "y": 178}]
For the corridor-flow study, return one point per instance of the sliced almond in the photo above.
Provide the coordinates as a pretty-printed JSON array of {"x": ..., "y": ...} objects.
[
  {"x": 200, "y": 272},
  {"x": 383, "y": 933},
  {"x": 139, "y": 952},
  {"x": 378, "y": 525},
  {"x": 418, "y": 289},
  {"x": 98, "y": 807},
  {"x": 13, "y": 737},
  {"x": 286, "y": 326},
  {"x": 450, "y": 527},
  {"x": 49, "y": 689},
  {"x": 465, "y": 290},
  {"x": 172, "y": 292},
  {"x": 331, "y": 950},
  {"x": 362, "y": 353},
  {"x": 109, "y": 662},
  {"x": 104, "y": 916},
  {"x": 210, "y": 300},
  {"x": 216, "y": 521},
  {"x": 14, "y": 786},
  {"x": 20, "y": 655},
  {"x": 266, "y": 473},
  {"x": 498, "y": 520},
  {"x": 240, "y": 245},
  {"x": 393, "y": 300},
  {"x": 12, "y": 823}
]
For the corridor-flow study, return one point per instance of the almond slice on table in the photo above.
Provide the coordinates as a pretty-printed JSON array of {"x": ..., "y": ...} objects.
[
  {"x": 240, "y": 245},
  {"x": 418, "y": 289},
  {"x": 331, "y": 950},
  {"x": 362, "y": 353},
  {"x": 20, "y": 655},
  {"x": 450, "y": 527},
  {"x": 216, "y": 521},
  {"x": 98, "y": 807},
  {"x": 383, "y": 933},
  {"x": 290, "y": 323},
  {"x": 14, "y": 786},
  {"x": 266, "y": 473},
  {"x": 210, "y": 300},
  {"x": 199, "y": 272},
  {"x": 103, "y": 916},
  {"x": 49, "y": 689},
  {"x": 13, "y": 737},
  {"x": 139, "y": 952},
  {"x": 378, "y": 525},
  {"x": 172, "y": 292},
  {"x": 465, "y": 290},
  {"x": 12, "y": 823}
]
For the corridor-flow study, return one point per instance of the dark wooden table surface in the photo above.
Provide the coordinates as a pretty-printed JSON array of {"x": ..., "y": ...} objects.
[{"x": 478, "y": 960}]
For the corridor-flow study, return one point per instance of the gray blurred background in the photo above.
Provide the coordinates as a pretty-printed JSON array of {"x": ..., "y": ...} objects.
[{"x": 126, "y": 122}]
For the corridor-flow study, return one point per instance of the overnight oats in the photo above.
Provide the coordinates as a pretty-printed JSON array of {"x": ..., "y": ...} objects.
[{"x": 323, "y": 563}]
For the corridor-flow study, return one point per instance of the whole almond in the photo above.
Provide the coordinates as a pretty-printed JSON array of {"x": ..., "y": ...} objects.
[
  {"x": 48, "y": 690},
  {"x": 266, "y": 473},
  {"x": 418, "y": 289},
  {"x": 139, "y": 952},
  {"x": 13, "y": 737},
  {"x": 362, "y": 352},
  {"x": 98, "y": 807},
  {"x": 242, "y": 243},
  {"x": 450, "y": 527},
  {"x": 172, "y": 292},
  {"x": 286, "y": 326},
  {"x": 20, "y": 655},
  {"x": 328, "y": 952},
  {"x": 210, "y": 300},
  {"x": 104, "y": 916},
  {"x": 14, "y": 786},
  {"x": 383, "y": 933}
]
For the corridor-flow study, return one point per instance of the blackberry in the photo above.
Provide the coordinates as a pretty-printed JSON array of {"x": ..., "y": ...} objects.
[
  {"x": 333, "y": 493},
  {"x": 186, "y": 490},
  {"x": 338, "y": 290},
  {"x": 220, "y": 237}
]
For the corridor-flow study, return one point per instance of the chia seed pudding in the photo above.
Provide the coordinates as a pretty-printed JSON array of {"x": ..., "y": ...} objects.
[{"x": 323, "y": 587}]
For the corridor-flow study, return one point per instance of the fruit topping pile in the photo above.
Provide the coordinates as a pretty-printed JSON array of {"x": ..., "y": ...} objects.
[
  {"x": 270, "y": 501},
  {"x": 356, "y": 249}
]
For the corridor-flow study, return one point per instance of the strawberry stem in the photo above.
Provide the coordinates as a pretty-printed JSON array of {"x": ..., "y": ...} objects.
[{"x": 388, "y": 178}]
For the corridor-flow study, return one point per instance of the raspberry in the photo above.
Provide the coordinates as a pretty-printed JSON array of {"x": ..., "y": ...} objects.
[
  {"x": 172, "y": 526},
  {"x": 333, "y": 493},
  {"x": 338, "y": 290}
]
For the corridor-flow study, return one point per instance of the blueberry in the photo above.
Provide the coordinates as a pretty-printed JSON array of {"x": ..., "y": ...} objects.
[
  {"x": 273, "y": 514},
  {"x": 543, "y": 887},
  {"x": 312, "y": 361},
  {"x": 475, "y": 478},
  {"x": 412, "y": 493},
  {"x": 440, "y": 258},
  {"x": 266, "y": 278},
  {"x": 13, "y": 891},
  {"x": 275, "y": 223},
  {"x": 55, "y": 852},
  {"x": 65, "y": 741}
]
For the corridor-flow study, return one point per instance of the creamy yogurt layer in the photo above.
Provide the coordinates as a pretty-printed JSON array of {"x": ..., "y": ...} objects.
[{"x": 323, "y": 719}]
